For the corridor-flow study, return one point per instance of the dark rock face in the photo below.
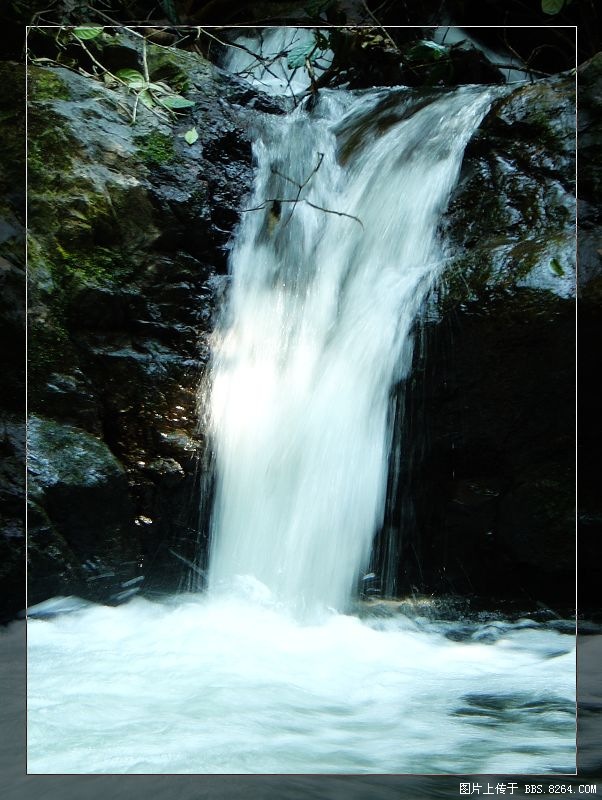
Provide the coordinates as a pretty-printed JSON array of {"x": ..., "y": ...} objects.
[
  {"x": 12, "y": 332},
  {"x": 130, "y": 235},
  {"x": 589, "y": 253},
  {"x": 12, "y": 515},
  {"x": 80, "y": 505},
  {"x": 486, "y": 503}
]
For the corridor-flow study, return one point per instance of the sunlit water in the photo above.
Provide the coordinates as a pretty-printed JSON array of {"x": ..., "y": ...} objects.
[
  {"x": 326, "y": 284},
  {"x": 238, "y": 686},
  {"x": 270, "y": 671}
]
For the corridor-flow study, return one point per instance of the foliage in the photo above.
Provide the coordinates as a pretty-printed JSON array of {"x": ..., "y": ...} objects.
[
  {"x": 158, "y": 96},
  {"x": 87, "y": 33},
  {"x": 191, "y": 136},
  {"x": 425, "y": 50},
  {"x": 556, "y": 267},
  {"x": 152, "y": 94}
]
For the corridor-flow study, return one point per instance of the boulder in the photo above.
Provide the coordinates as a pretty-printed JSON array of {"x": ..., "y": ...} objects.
[
  {"x": 80, "y": 508},
  {"x": 130, "y": 228},
  {"x": 485, "y": 438}
]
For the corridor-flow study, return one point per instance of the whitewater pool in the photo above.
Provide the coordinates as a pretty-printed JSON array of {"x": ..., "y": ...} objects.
[{"x": 222, "y": 685}]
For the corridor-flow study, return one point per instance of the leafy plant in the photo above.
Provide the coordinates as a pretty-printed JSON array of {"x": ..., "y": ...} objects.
[
  {"x": 316, "y": 8},
  {"x": 152, "y": 94}
]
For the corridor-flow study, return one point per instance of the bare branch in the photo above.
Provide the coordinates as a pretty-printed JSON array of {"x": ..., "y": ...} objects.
[
  {"x": 300, "y": 186},
  {"x": 332, "y": 211},
  {"x": 309, "y": 203},
  {"x": 380, "y": 25}
]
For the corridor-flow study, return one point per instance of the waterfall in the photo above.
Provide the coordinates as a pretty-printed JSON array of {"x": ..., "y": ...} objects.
[
  {"x": 335, "y": 254},
  {"x": 336, "y": 251}
]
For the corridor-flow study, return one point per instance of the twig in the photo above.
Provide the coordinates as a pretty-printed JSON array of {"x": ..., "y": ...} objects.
[
  {"x": 519, "y": 68},
  {"x": 332, "y": 211},
  {"x": 98, "y": 64},
  {"x": 380, "y": 26},
  {"x": 144, "y": 62},
  {"x": 135, "y": 109},
  {"x": 309, "y": 203},
  {"x": 265, "y": 62},
  {"x": 300, "y": 186}
]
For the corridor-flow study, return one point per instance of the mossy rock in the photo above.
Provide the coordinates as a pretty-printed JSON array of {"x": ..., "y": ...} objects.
[
  {"x": 157, "y": 148},
  {"x": 44, "y": 84}
]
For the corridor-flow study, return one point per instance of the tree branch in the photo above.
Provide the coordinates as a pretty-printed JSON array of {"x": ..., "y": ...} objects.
[{"x": 309, "y": 203}]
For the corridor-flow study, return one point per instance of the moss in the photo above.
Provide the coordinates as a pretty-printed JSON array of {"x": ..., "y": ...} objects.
[
  {"x": 49, "y": 350},
  {"x": 157, "y": 148},
  {"x": 99, "y": 265},
  {"x": 45, "y": 85},
  {"x": 172, "y": 66},
  {"x": 50, "y": 150},
  {"x": 12, "y": 117}
]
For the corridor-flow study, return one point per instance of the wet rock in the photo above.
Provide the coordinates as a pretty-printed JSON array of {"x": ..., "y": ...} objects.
[
  {"x": 519, "y": 172},
  {"x": 81, "y": 517},
  {"x": 486, "y": 497},
  {"x": 12, "y": 333},
  {"x": 12, "y": 515},
  {"x": 81, "y": 486},
  {"x": 166, "y": 470},
  {"x": 589, "y": 322},
  {"x": 130, "y": 229}
]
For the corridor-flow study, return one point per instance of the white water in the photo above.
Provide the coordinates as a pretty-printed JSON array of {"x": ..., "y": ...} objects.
[
  {"x": 237, "y": 686},
  {"x": 260, "y": 674},
  {"x": 317, "y": 333}
]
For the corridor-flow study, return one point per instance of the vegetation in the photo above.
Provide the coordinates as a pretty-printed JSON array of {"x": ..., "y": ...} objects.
[
  {"x": 535, "y": 32},
  {"x": 83, "y": 49}
]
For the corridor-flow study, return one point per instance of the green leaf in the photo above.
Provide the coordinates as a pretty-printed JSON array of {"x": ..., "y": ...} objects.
[
  {"x": 556, "y": 267},
  {"x": 176, "y": 101},
  {"x": 87, "y": 33},
  {"x": 425, "y": 50},
  {"x": 552, "y": 6},
  {"x": 300, "y": 54},
  {"x": 132, "y": 77},
  {"x": 147, "y": 99},
  {"x": 191, "y": 136},
  {"x": 160, "y": 88}
]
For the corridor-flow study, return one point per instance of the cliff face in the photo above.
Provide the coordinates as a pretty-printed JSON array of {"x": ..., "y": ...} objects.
[
  {"x": 130, "y": 228},
  {"x": 129, "y": 233},
  {"x": 486, "y": 502}
]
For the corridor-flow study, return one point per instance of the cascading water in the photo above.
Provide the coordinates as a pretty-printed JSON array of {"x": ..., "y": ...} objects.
[
  {"x": 327, "y": 280},
  {"x": 264, "y": 672}
]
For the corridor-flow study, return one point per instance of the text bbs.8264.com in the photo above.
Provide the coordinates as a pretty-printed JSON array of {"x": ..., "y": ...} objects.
[{"x": 520, "y": 789}]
